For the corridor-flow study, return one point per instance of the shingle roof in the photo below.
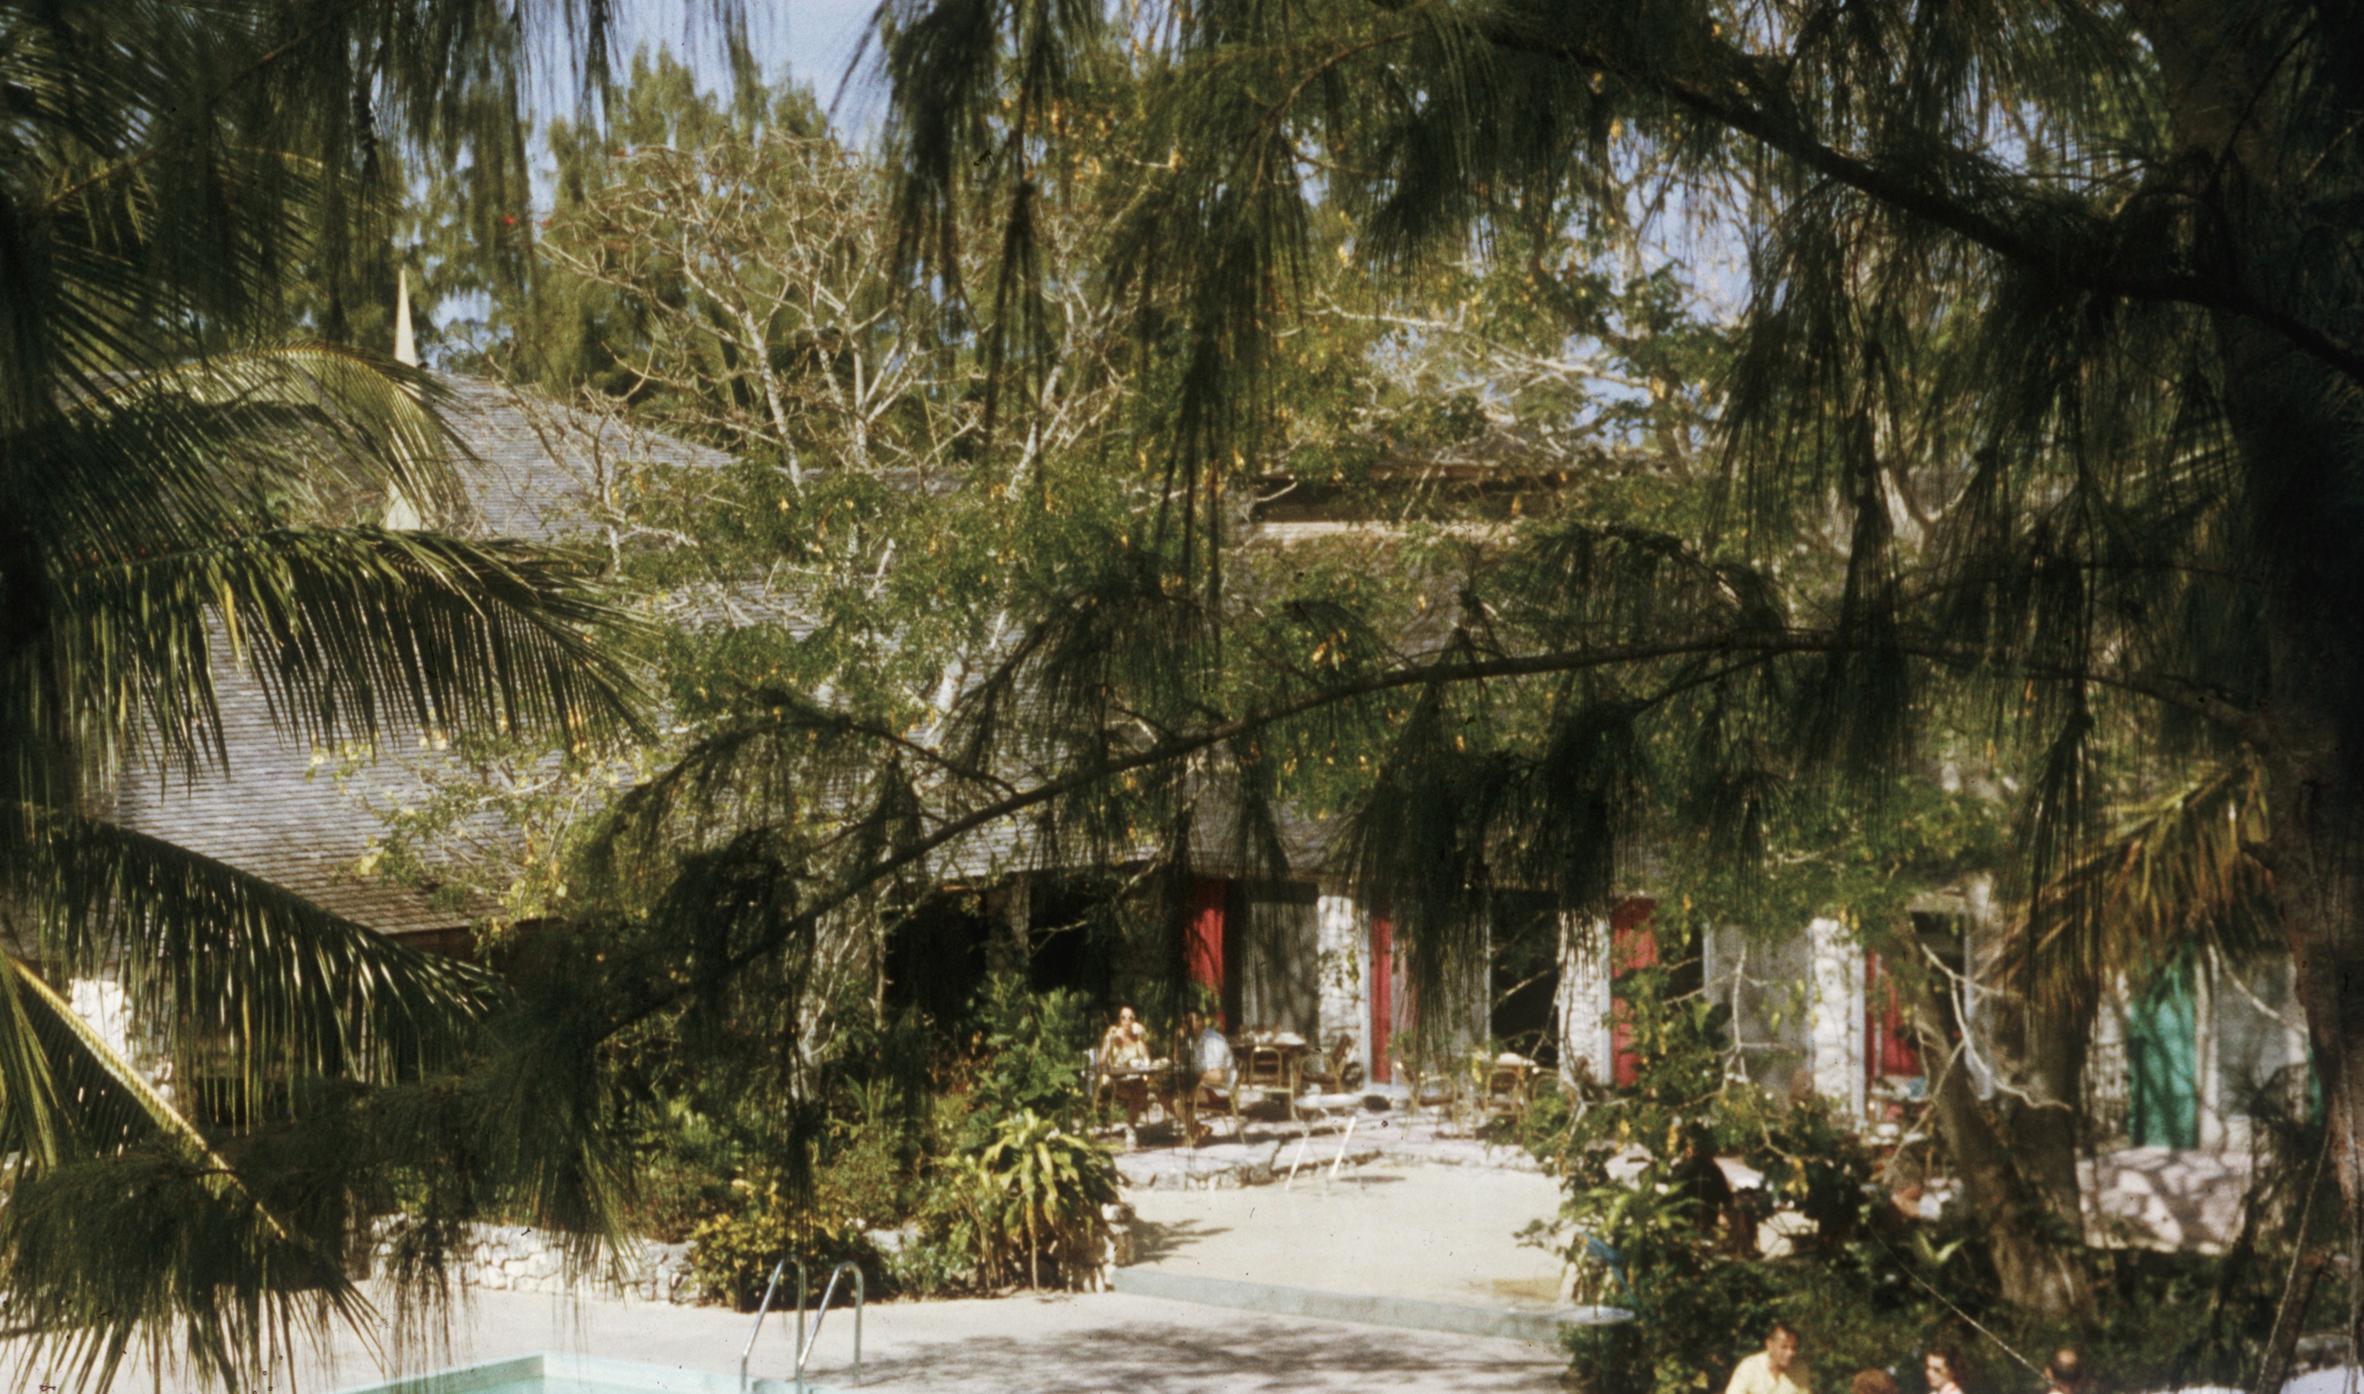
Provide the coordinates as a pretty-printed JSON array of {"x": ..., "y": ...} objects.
[
  {"x": 282, "y": 811},
  {"x": 535, "y": 464}
]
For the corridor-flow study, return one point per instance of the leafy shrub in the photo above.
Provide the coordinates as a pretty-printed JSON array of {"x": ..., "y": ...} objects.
[
  {"x": 1024, "y": 1209},
  {"x": 1033, "y": 1202},
  {"x": 732, "y": 1255},
  {"x": 685, "y": 1177},
  {"x": 1030, "y": 1053},
  {"x": 983, "y": 1163},
  {"x": 1867, "y": 1287},
  {"x": 859, "y": 1186}
]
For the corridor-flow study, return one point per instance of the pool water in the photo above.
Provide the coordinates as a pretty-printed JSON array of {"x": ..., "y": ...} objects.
[{"x": 555, "y": 1373}]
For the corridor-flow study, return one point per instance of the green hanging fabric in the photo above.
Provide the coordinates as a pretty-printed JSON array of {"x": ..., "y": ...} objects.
[{"x": 2163, "y": 1056}]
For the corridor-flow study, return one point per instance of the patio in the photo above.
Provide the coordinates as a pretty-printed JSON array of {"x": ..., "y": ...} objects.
[{"x": 1063, "y": 1344}]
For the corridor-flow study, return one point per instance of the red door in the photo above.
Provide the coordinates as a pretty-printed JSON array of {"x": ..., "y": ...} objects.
[
  {"x": 1632, "y": 944},
  {"x": 1888, "y": 1041},
  {"x": 1382, "y": 994},
  {"x": 1202, "y": 938}
]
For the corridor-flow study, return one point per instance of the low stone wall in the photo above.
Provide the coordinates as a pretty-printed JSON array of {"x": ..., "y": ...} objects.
[{"x": 512, "y": 1258}]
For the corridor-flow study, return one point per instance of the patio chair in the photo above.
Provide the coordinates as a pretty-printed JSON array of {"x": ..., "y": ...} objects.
[
  {"x": 1509, "y": 1087},
  {"x": 1336, "y": 1072},
  {"x": 1220, "y": 1097},
  {"x": 1431, "y": 1084}
]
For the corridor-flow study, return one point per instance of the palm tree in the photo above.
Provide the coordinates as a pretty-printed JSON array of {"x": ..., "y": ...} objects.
[{"x": 177, "y": 479}]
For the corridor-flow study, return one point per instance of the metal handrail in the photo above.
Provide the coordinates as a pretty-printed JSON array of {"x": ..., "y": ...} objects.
[
  {"x": 821, "y": 1314},
  {"x": 769, "y": 1289}
]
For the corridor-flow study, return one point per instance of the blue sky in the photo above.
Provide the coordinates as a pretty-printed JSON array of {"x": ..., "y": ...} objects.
[{"x": 811, "y": 40}]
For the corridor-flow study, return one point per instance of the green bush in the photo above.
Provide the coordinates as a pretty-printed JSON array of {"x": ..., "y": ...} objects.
[
  {"x": 1029, "y": 1058},
  {"x": 1867, "y": 1287},
  {"x": 981, "y": 1159},
  {"x": 1025, "y": 1209},
  {"x": 1039, "y": 1191},
  {"x": 732, "y": 1254}
]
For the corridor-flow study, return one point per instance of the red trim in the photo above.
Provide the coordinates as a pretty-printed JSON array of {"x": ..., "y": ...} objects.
[
  {"x": 1382, "y": 995},
  {"x": 1632, "y": 944},
  {"x": 1202, "y": 937},
  {"x": 1888, "y": 1042}
]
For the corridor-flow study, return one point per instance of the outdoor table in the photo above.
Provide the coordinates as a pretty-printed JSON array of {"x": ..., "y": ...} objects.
[{"x": 1273, "y": 1063}]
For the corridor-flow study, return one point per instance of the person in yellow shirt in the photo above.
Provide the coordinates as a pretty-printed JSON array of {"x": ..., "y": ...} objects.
[{"x": 1773, "y": 1370}]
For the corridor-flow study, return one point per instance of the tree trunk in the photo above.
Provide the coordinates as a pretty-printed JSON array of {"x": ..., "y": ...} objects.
[
  {"x": 2307, "y": 523},
  {"x": 2039, "y": 1274},
  {"x": 2316, "y": 891},
  {"x": 2040, "y": 1051},
  {"x": 1010, "y": 908}
]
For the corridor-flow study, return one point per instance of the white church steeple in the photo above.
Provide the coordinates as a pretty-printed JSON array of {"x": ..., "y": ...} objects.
[{"x": 401, "y": 514}]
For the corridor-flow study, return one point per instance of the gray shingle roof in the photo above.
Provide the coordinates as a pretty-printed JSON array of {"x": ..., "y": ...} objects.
[
  {"x": 278, "y": 809},
  {"x": 536, "y": 463}
]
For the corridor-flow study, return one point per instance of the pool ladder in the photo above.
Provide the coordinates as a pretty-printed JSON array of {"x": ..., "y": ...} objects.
[{"x": 804, "y": 1344}]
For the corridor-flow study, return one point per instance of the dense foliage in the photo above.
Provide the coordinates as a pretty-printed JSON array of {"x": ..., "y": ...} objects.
[{"x": 1651, "y": 1224}]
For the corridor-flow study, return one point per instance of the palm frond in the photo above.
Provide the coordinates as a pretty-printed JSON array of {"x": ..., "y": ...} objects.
[
  {"x": 239, "y": 974},
  {"x": 102, "y": 1163},
  {"x": 298, "y": 433},
  {"x": 2178, "y": 871},
  {"x": 352, "y": 633}
]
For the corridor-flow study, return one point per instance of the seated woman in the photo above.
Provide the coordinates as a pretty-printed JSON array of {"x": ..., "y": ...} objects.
[{"x": 1124, "y": 1048}]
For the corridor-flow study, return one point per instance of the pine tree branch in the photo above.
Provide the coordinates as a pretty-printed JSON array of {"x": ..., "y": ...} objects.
[
  {"x": 1746, "y": 649},
  {"x": 2065, "y": 243}
]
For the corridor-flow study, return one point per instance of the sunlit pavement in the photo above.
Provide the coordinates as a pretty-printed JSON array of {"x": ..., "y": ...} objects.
[{"x": 1082, "y": 1344}]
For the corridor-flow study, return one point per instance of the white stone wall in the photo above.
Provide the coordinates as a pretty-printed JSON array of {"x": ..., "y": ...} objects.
[
  {"x": 1343, "y": 939},
  {"x": 1583, "y": 1003},
  {"x": 1766, "y": 984},
  {"x": 513, "y": 1258},
  {"x": 101, "y": 1005},
  {"x": 2108, "y": 1082},
  {"x": 1835, "y": 1044},
  {"x": 2252, "y": 1036}
]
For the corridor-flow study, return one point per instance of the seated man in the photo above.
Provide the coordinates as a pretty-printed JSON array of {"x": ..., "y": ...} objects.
[
  {"x": 1206, "y": 1063},
  {"x": 1774, "y": 1370}
]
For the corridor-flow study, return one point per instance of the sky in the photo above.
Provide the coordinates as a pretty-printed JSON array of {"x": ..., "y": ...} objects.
[{"x": 810, "y": 40}]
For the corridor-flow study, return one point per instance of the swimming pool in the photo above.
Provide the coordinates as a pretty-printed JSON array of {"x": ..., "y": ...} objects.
[{"x": 555, "y": 1373}]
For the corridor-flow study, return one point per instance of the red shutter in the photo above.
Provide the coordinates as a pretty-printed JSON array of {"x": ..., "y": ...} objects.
[
  {"x": 1202, "y": 942},
  {"x": 1632, "y": 944},
  {"x": 1888, "y": 1040}
]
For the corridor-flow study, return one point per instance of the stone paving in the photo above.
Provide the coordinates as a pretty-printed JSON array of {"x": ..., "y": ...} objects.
[
  {"x": 1268, "y": 1142},
  {"x": 1395, "y": 1227},
  {"x": 1079, "y": 1344}
]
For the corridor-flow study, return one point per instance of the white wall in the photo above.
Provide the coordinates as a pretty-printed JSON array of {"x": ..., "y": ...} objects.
[
  {"x": 1343, "y": 938},
  {"x": 1582, "y": 1006},
  {"x": 1835, "y": 1044}
]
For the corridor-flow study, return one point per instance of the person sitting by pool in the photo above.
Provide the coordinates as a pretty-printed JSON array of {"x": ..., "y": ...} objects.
[
  {"x": 1774, "y": 1370},
  {"x": 1945, "y": 1370},
  {"x": 1124, "y": 1042},
  {"x": 1206, "y": 1062},
  {"x": 1124, "y": 1048},
  {"x": 2064, "y": 1373}
]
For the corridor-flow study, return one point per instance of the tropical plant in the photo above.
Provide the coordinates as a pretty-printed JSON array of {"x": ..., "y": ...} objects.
[
  {"x": 1040, "y": 1191},
  {"x": 187, "y": 499}
]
